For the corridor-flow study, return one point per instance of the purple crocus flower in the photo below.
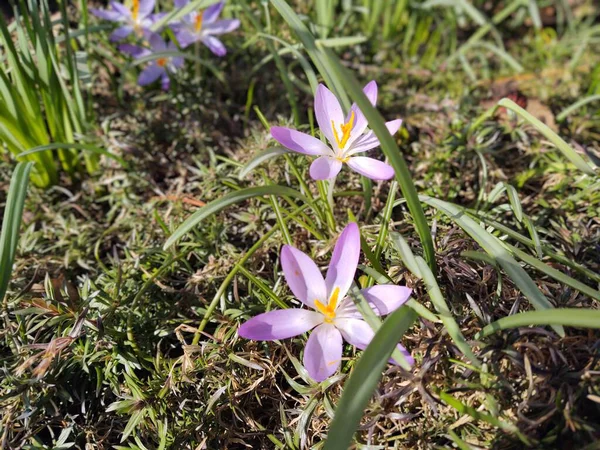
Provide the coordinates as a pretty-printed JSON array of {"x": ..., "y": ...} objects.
[
  {"x": 203, "y": 26},
  {"x": 334, "y": 316},
  {"x": 158, "y": 68},
  {"x": 138, "y": 18},
  {"x": 347, "y": 136}
]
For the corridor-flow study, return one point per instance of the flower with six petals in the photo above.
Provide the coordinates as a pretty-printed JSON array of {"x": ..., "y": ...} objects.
[
  {"x": 203, "y": 26},
  {"x": 332, "y": 314},
  {"x": 138, "y": 19},
  {"x": 348, "y": 136}
]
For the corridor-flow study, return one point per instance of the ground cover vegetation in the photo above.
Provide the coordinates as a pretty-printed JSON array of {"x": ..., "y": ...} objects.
[{"x": 300, "y": 224}]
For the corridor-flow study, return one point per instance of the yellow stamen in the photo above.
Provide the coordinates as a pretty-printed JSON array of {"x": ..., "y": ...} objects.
[
  {"x": 135, "y": 9},
  {"x": 198, "y": 22},
  {"x": 346, "y": 129},
  {"x": 329, "y": 310},
  {"x": 162, "y": 62}
]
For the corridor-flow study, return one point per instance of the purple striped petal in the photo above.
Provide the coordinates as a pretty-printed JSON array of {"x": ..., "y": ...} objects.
[
  {"x": 150, "y": 74},
  {"x": 121, "y": 33},
  {"x": 368, "y": 140},
  {"x": 280, "y": 324},
  {"x": 303, "y": 276},
  {"x": 344, "y": 261},
  {"x": 214, "y": 45},
  {"x": 211, "y": 13},
  {"x": 328, "y": 109},
  {"x": 383, "y": 299},
  {"x": 299, "y": 142},
  {"x": 371, "y": 168},
  {"x": 222, "y": 26},
  {"x": 325, "y": 168},
  {"x": 360, "y": 121},
  {"x": 323, "y": 352}
]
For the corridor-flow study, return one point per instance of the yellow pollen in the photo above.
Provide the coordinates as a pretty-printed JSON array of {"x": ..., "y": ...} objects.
[
  {"x": 329, "y": 310},
  {"x": 198, "y": 22},
  {"x": 162, "y": 62},
  {"x": 135, "y": 9},
  {"x": 346, "y": 128}
]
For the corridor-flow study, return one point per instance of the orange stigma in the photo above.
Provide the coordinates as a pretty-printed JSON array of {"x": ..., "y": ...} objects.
[
  {"x": 346, "y": 129},
  {"x": 135, "y": 9},
  {"x": 198, "y": 22},
  {"x": 329, "y": 310},
  {"x": 162, "y": 62}
]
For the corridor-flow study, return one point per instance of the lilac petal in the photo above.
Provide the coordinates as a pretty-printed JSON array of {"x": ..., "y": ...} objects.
[
  {"x": 369, "y": 140},
  {"x": 121, "y": 9},
  {"x": 153, "y": 18},
  {"x": 181, "y": 3},
  {"x": 211, "y": 13},
  {"x": 299, "y": 142},
  {"x": 344, "y": 261},
  {"x": 150, "y": 74},
  {"x": 177, "y": 62},
  {"x": 222, "y": 26},
  {"x": 371, "y": 168},
  {"x": 303, "y": 276},
  {"x": 165, "y": 81},
  {"x": 360, "y": 121},
  {"x": 323, "y": 352},
  {"x": 280, "y": 324},
  {"x": 146, "y": 7},
  {"x": 383, "y": 299},
  {"x": 121, "y": 33},
  {"x": 325, "y": 168},
  {"x": 328, "y": 109},
  {"x": 134, "y": 50},
  {"x": 214, "y": 45},
  {"x": 186, "y": 38},
  {"x": 156, "y": 42},
  {"x": 359, "y": 333},
  {"x": 113, "y": 16}
]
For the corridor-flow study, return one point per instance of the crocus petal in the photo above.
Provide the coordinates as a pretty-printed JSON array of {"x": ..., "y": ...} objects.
[
  {"x": 113, "y": 16},
  {"x": 165, "y": 81},
  {"x": 134, "y": 50},
  {"x": 150, "y": 74},
  {"x": 323, "y": 352},
  {"x": 383, "y": 299},
  {"x": 371, "y": 168},
  {"x": 156, "y": 42},
  {"x": 325, "y": 168},
  {"x": 222, "y": 26},
  {"x": 121, "y": 33},
  {"x": 121, "y": 9},
  {"x": 328, "y": 109},
  {"x": 214, "y": 45},
  {"x": 360, "y": 121},
  {"x": 211, "y": 13},
  {"x": 369, "y": 140},
  {"x": 344, "y": 261},
  {"x": 299, "y": 142},
  {"x": 303, "y": 276},
  {"x": 359, "y": 333},
  {"x": 180, "y": 3},
  {"x": 177, "y": 62},
  {"x": 186, "y": 38},
  {"x": 146, "y": 7},
  {"x": 280, "y": 324}
]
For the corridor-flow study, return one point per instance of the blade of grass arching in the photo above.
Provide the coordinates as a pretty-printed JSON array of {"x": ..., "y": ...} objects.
[
  {"x": 575, "y": 106},
  {"x": 264, "y": 288},
  {"x": 392, "y": 152},
  {"x": 439, "y": 302},
  {"x": 552, "y": 272},
  {"x": 492, "y": 245},
  {"x": 502, "y": 54},
  {"x": 261, "y": 158},
  {"x": 11, "y": 222},
  {"x": 172, "y": 54},
  {"x": 564, "y": 148},
  {"x": 229, "y": 199},
  {"x": 315, "y": 53},
  {"x": 359, "y": 388},
  {"x": 84, "y": 147},
  {"x": 569, "y": 317}
]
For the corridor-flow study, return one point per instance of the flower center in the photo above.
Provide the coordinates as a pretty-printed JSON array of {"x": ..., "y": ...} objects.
[
  {"x": 346, "y": 128},
  {"x": 198, "y": 22},
  {"x": 135, "y": 10},
  {"x": 162, "y": 62},
  {"x": 329, "y": 310}
]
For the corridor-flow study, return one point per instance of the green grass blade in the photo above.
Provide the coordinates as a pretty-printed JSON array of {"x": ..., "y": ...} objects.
[
  {"x": 359, "y": 388},
  {"x": 85, "y": 147},
  {"x": 11, "y": 222},
  {"x": 261, "y": 158},
  {"x": 575, "y": 106},
  {"x": 492, "y": 245},
  {"x": 565, "y": 148},
  {"x": 570, "y": 317},
  {"x": 226, "y": 200}
]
